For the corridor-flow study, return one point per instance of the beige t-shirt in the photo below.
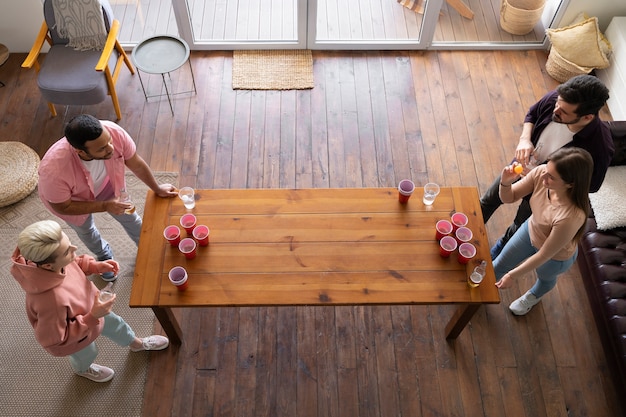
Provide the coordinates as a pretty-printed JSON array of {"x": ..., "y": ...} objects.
[{"x": 551, "y": 226}]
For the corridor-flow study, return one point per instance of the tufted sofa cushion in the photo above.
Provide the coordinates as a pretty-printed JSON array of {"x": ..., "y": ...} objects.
[{"x": 602, "y": 264}]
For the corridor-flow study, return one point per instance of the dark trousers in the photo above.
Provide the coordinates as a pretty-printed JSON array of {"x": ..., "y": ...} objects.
[{"x": 490, "y": 201}]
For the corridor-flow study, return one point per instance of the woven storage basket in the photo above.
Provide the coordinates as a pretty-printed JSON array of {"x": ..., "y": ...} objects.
[
  {"x": 18, "y": 172},
  {"x": 561, "y": 69},
  {"x": 519, "y": 17}
]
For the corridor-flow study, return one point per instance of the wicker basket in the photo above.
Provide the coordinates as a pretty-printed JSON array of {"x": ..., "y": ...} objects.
[
  {"x": 561, "y": 69},
  {"x": 519, "y": 17}
]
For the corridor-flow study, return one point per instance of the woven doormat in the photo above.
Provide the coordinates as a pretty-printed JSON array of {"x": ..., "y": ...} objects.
[{"x": 273, "y": 70}]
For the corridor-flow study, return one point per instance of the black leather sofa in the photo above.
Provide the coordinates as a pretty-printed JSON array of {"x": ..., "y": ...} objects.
[{"x": 602, "y": 264}]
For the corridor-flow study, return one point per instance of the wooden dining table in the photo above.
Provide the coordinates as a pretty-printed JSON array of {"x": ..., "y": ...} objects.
[{"x": 312, "y": 247}]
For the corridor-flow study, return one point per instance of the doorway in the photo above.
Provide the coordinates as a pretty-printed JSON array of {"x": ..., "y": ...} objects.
[{"x": 328, "y": 24}]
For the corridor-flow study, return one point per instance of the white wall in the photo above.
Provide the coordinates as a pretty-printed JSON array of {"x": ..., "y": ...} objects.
[
  {"x": 604, "y": 10},
  {"x": 20, "y": 21}
]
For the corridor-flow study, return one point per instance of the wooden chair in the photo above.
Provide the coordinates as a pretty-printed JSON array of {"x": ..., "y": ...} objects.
[{"x": 73, "y": 77}]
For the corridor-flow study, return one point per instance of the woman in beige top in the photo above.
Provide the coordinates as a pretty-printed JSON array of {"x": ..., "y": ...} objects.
[{"x": 547, "y": 242}]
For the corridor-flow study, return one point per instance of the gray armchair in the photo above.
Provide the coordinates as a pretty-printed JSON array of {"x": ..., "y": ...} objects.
[{"x": 77, "y": 77}]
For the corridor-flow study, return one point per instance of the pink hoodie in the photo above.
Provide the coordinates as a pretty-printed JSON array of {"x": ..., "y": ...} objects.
[{"x": 58, "y": 305}]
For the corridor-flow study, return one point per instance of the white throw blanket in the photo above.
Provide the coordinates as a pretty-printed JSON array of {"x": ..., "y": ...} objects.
[{"x": 81, "y": 22}]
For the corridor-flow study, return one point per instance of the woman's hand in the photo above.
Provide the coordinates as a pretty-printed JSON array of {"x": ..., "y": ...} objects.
[
  {"x": 101, "y": 309},
  {"x": 107, "y": 266},
  {"x": 510, "y": 174},
  {"x": 505, "y": 282}
]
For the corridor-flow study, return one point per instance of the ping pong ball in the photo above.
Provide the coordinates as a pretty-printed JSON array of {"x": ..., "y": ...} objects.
[{"x": 518, "y": 169}]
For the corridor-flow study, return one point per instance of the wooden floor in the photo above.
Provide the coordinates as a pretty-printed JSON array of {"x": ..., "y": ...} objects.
[
  {"x": 337, "y": 20},
  {"x": 372, "y": 119}
]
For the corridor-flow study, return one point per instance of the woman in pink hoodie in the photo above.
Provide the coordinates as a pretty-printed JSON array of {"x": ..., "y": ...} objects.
[{"x": 63, "y": 306}]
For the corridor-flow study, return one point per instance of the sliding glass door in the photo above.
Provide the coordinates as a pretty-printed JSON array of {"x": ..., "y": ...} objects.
[{"x": 328, "y": 24}]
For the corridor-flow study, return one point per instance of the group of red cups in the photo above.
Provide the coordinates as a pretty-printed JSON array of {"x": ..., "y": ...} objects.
[
  {"x": 454, "y": 234},
  {"x": 197, "y": 235}
]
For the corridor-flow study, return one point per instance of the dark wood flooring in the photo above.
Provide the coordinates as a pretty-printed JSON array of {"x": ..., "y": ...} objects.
[{"x": 372, "y": 119}]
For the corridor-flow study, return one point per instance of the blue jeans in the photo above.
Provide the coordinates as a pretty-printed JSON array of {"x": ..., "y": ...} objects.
[
  {"x": 116, "y": 329},
  {"x": 518, "y": 249},
  {"x": 89, "y": 234}
]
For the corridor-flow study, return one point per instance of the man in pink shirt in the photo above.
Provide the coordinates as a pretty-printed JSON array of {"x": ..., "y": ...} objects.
[{"x": 83, "y": 173}]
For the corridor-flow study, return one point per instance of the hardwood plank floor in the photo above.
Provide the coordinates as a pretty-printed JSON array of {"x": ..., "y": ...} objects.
[{"x": 372, "y": 119}]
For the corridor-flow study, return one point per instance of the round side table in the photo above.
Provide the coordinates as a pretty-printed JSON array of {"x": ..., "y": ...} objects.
[{"x": 162, "y": 54}]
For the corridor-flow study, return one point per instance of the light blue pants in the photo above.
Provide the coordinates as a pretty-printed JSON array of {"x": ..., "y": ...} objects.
[
  {"x": 89, "y": 234},
  {"x": 116, "y": 329},
  {"x": 518, "y": 249}
]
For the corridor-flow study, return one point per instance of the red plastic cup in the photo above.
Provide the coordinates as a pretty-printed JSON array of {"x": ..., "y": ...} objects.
[
  {"x": 443, "y": 228},
  {"x": 466, "y": 252},
  {"x": 458, "y": 220},
  {"x": 201, "y": 234},
  {"x": 463, "y": 234},
  {"x": 188, "y": 222},
  {"x": 172, "y": 235},
  {"x": 447, "y": 245},
  {"x": 187, "y": 247},
  {"x": 405, "y": 189},
  {"x": 178, "y": 277}
]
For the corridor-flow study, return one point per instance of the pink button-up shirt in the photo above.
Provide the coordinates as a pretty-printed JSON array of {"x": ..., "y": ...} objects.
[{"x": 62, "y": 176}]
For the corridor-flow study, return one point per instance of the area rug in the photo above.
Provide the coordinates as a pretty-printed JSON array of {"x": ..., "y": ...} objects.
[
  {"x": 273, "y": 70},
  {"x": 34, "y": 383}
]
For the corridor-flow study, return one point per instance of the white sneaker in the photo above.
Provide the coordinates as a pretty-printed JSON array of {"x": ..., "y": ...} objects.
[
  {"x": 523, "y": 304},
  {"x": 97, "y": 373},
  {"x": 154, "y": 342}
]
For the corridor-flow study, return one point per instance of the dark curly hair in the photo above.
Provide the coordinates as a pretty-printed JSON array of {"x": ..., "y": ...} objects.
[
  {"x": 585, "y": 91},
  {"x": 81, "y": 129}
]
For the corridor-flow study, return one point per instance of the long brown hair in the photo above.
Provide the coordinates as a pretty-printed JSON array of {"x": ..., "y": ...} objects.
[{"x": 575, "y": 167}]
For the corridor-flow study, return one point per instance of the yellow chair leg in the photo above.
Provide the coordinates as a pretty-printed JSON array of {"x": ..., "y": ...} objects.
[{"x": 53, "y": 110}]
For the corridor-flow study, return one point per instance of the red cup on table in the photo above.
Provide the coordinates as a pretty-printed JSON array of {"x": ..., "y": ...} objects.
[
  {"x": 443, "y": 228},
  {"x": 466, "y": 252},
  {"x": 458, "y": 219},
  {"x": 405, "y": 190},
  {"x": 201, "y": 234},
  {"x": 172, "y": 235},
  {"x": 188, "y": 222},
  {"x": 178, "y": 277},
  {"x": 463, "y": 234},
  {"x": 187, "y": 247},
  {"x": 447, "y": 245}
]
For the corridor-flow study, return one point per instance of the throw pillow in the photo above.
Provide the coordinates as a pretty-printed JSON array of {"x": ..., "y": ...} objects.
[
  {"x": 608, "y": 202},
  {"x": 580, "y": 43}
]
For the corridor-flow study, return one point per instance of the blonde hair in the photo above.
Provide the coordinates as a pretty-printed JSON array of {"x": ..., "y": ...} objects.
[{"x": 39, "y": 241}]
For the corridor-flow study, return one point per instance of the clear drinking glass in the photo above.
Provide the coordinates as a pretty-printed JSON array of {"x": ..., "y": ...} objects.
[{"x": 187, "y": 195}]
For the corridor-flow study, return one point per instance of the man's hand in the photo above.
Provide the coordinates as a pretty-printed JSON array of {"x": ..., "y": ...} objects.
[
  {"x": 523, "y": 151},
  {"x": 167, "y": 190},
  {"x": 108, "y": 266},
  {"x": 101, "y": 309},
  {"x": 116, "y": 207}
]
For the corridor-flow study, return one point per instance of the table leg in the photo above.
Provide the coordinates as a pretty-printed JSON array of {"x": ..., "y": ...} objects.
[
  {"x": 459, "y": 320},
  {"x": 169, "y": 323},
  {"x": 167, "y": 92}
]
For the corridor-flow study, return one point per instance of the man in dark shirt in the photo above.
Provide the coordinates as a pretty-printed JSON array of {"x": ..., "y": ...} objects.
[{"x": 565, "y": 117}]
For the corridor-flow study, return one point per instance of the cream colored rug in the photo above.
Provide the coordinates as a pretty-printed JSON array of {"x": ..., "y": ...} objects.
[
  {"x": 273, "y": 70},
  {"x": 34, "y": 383}
]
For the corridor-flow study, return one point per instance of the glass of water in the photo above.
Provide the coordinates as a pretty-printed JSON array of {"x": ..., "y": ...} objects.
[
  {"x": 431, "y": 190},
  {"x": 187, "y": 195}
]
